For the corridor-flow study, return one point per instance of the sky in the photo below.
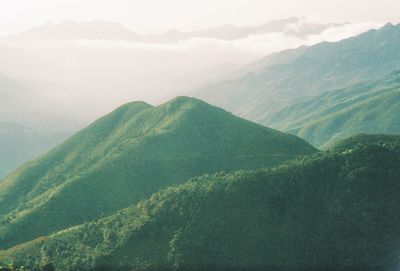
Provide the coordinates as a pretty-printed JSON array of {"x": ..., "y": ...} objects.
[{"x": 154, "y": 16}]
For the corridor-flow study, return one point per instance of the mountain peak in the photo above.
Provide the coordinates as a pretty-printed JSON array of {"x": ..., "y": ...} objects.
[
  {"x": 390, "y": 27},
  {"x": 188, "y": 104},
  {"x": 185, "y": 99},
  {"x": 131, "y": 153},
  {"x": 137, "y": 104}
]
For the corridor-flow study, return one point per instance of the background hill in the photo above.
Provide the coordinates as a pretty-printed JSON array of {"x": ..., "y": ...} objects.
[
  {"x": 128, "y": 155},
  {"x": 370, "y": 107},
  {"x": 70, "y": 30},
  {"x": 282, "y": 80},
  {"x": 23, "y": 133},
  {"x": 313, "y": 213},
  {"x": 20, "y": 144}
]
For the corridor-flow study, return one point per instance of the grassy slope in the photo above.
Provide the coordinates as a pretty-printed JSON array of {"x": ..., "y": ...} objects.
[
  {"x": 128, "y": 155},
  {"x": 329, "y": 211},
  {"x": 372, "y": 107}
]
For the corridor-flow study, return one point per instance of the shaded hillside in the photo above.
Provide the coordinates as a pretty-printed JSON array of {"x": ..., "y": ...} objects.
[
  {"x": 370, "y": 107},
  {"x": 329, "y": 211},
  {"x": 286, "y": 78},
  {"x": 362, "y": 139},
  {"x": 128, "y": 155}
]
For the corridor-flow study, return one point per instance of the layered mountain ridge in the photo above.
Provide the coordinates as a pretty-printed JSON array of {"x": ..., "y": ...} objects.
[
  {"x": 313, "y": 213},
  {"x": 290, "y": 79},
  {"x": 128, "y": 155}
]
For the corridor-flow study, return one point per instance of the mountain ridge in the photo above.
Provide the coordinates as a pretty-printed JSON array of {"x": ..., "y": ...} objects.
[
  {"x": 282, "y": 80},
  {"x": 73, "y": 30},
  {"x": 291, "y": 217},
  {"x": 129, "y": 154}
]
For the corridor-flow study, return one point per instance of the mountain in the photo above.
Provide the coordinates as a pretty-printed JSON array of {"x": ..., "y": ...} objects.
[
  {"x": 19, "y": 144},
  {"x": 298, "y": 27},
  {"x": 70, "y": 30},
  {"x": 282, "y": 80},
  {"x": 126, "y": 156},
  {"x": 369, "y": 107},
  {"x": 10, "y": 90},
  {"x": 336, "y": 210}
]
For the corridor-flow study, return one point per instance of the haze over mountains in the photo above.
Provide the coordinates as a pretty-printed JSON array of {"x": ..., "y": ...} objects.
[
  {"x": 186, "y": 185},
  {"x": 51, "y": 72},
  {"x": 70, "y": 30},
  {"x": 25, "y": 130},
  {"x": 281, "y": 81},
  {"x": 72, "y": 61}
]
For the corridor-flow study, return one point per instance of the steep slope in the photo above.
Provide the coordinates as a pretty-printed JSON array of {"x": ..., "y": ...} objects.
[
  {"x": 128, "y": 155},
  {"x": 329, "y": 211},
  {"x": 284, "y": 79},
  {"x": 370, "y": 107}
]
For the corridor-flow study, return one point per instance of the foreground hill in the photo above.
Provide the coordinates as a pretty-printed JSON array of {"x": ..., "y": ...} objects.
[
  {"x": 370, "y": 107},
  {"x": 329, "y": 211},
  {"x": 128, "y": 155},
  {"x": 282, "y": 80}
]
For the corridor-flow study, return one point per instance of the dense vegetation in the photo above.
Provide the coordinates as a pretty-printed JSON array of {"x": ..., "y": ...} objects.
[
  {"x": 125, "y": 157},
  {"x": 280, "y": 81},
  {"x": 363, "y": 139},
  {"x": 368, "y": 107},
  {"x": 336, "y": 210}
]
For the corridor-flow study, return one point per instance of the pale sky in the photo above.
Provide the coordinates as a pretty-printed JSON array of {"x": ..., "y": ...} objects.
[{"x": 160, "y": 15}]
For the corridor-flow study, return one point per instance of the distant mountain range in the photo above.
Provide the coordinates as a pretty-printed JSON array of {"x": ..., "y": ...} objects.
[
  {"x": 327, "y": 211},
  {"x": 70, "y": 30},
  {"x": 284, "y": 89},
  {"x": 20, "y": 144},
  {"x": 19, "y": 141},
  {"x": 126, "y": 156}
]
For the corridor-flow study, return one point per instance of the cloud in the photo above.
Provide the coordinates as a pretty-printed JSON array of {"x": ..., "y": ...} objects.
[
  {"x": 254, "y": 45},
  {"x": 333, "y": 34}
]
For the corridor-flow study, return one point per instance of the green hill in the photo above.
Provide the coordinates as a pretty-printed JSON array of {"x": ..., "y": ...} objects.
[
  {"x": 362, "y": 139},
  {"x": 282, "y": 80},
  {"x": 329, "y": 211},
  {"x": 369, "y": 107},
  {"x": 128, "y": 155}
]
